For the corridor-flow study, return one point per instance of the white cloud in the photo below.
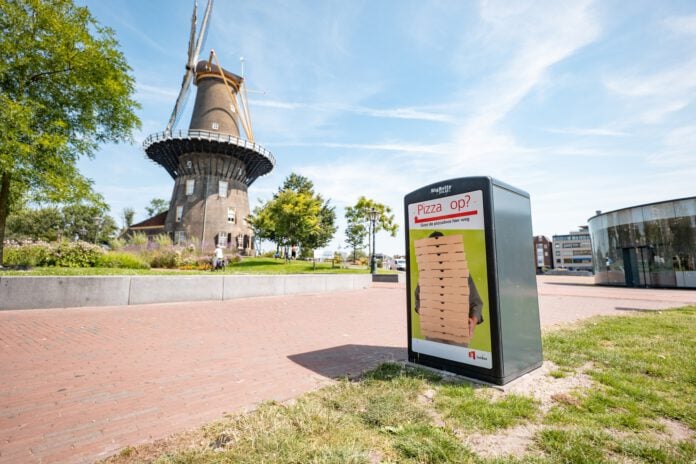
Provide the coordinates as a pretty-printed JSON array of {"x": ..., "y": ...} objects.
[
  {"x": 660, "y": 94},
  {"x": 679, "y": 149},
  {"x": 539, "y": 36},
  {"x": 389, "y": 113},
  {"x": 590, "y": 132},
  {"x": 156, "y": 93},
  {"x": 405, "y": 113},
  {"x": 675, "y": 80},
  {"x": 681, "y": 24},
  {"x": 395, "y": 146}
]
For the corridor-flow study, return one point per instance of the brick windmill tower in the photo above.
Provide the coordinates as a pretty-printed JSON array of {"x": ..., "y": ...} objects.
[{"x": 211, "y": 164}]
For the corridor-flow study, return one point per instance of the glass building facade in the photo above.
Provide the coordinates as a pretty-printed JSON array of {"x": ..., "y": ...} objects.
[{"x": 650, "y": 245}]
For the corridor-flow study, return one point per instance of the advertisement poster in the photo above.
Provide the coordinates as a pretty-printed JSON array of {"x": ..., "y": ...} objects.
[{"x": 449, "y": 291}]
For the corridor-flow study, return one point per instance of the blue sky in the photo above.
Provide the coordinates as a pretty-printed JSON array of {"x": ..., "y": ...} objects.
[{"x": 585, "y": 105}]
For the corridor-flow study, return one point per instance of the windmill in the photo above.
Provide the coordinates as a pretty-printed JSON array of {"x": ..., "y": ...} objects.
[{"x": 211, "y": 164}]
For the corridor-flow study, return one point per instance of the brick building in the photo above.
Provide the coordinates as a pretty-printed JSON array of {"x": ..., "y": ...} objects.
[{"x": 542, "y": 253}]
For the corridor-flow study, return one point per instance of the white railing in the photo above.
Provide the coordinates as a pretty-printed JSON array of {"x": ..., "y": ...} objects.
[{"x": 211, "y": 136}]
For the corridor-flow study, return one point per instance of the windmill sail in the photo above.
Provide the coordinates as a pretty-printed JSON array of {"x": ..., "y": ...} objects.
[{"x": 194, "y": 48}]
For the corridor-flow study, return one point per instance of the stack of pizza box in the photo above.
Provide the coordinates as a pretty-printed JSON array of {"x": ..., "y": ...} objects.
[{"x": 444, "y": 289}]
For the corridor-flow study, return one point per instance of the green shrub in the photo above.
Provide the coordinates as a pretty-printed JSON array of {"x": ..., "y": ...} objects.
[
  {"x": 28, "y": 254},
  {"x": 163, "y": 240},
  {"x": 117, "y": 243},
  {"x": 196, "y": 263},
  {"x": 122, "y": 260},
  {"x": 138, "y": 239},
  {"x": 77, "y": 254},
  {"x": 165, "y": 258}
]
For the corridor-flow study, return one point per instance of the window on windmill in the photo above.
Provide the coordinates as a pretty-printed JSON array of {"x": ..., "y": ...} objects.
[
  {"x": 180, "y": 237},
  {"x": 215, "y": 126},
  {"x": 179, "y": 213},
  {"x": 190, "y": 184},
  {"x": 231, "y": 215},
  {"x": 222, "y": 189}
]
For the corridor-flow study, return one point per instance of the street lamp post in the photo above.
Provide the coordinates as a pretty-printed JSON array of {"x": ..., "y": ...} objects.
[{"x": 373, "y": 220}]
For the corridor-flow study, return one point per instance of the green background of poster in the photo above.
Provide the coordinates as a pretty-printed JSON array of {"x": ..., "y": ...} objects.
[{"x": 475, "y": 249}]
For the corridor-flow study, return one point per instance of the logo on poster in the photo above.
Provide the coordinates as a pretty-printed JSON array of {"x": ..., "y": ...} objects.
[
  {"x": 472, "y": 354},
  {"x": 441, "y": 190}
]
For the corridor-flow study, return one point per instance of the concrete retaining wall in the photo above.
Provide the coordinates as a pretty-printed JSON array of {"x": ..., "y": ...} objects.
[{"x": 70, "y": 292}]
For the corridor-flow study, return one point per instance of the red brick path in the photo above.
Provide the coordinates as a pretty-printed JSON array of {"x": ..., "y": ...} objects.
[{"x": 79, "y": 384}]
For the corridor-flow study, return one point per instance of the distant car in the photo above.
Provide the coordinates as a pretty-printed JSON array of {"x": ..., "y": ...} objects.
[{"x": 400, "y": 264}]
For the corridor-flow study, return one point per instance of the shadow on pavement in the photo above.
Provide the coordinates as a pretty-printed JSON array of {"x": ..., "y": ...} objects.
[{"x": 347, "y": 360}]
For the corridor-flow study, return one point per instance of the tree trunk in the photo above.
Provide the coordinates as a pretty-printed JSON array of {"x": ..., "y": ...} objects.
[{"x": 4, "y": 209}]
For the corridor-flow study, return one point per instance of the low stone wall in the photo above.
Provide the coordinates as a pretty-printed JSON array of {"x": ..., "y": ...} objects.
[{"x": 70, "y": 292}]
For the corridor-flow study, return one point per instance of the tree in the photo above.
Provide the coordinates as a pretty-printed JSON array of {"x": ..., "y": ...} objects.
[
  {"x": 297, "y": 183},
  {"x": 84, "y": 221},
  {"x": 65, "y": 88},
  {"x": 128, "y": 214},
  {"x": 35, "y": 224},
  {"x": 88, "y": 222},
  {"x": 355, "y": 237},
  {"x": 360, "y": 215},
  {"x": 157, "y": 206},
  {"x": 295, "y": 216}
]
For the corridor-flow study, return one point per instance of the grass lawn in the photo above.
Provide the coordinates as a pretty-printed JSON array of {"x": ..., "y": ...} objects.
[
  {"x": 637, "y": 406},
  {"x": 245, "y": 266}
]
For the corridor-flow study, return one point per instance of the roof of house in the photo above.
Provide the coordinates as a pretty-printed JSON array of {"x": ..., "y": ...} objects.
[{"x": 151, "y": 223}]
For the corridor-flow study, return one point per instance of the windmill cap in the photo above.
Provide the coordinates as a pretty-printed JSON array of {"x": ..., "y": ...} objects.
[{"x": 206, "y": 69}]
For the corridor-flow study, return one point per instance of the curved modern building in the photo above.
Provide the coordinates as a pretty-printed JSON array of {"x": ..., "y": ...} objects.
[{"x": 652, "y": 245}]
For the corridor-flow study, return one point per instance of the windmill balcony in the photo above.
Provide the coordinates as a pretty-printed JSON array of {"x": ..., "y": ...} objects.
[{"x": 165, "y": 148}]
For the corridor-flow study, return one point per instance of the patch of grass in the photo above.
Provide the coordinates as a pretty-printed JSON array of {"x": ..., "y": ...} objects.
[
  {"x": 468, "y": 410},
  {"x": 426, "y": 443},
  {"x": 281, "y": 266},
  {"x": 649, "y": 371},
  {"x": 644, "y": 368},
  {"x": 306, "y": 431},
  {"x": 647, "y": 450},
  {"x": 386, "y": 397},
  {"x": 127, "y": 451},
  {"x": 573, "y": 446},
  {"x": 245, "y": 266}
]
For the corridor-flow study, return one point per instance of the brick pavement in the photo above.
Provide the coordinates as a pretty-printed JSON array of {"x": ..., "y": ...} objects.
[{"x": 78, "y": 384}]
